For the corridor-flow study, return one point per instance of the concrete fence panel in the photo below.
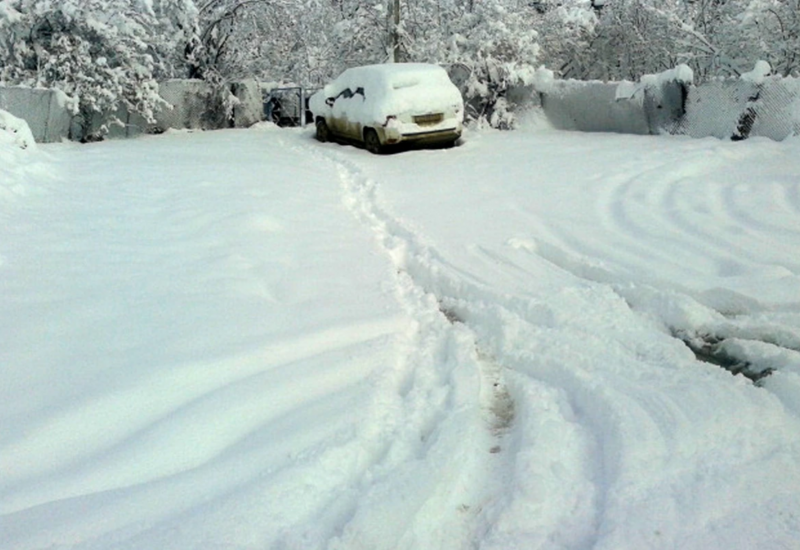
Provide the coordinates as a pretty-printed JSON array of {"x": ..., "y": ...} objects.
[
  {"x": 188, "y": 105},
  {"x": 249, "y": 108},
  {"x": 594, "y": 107},
  {"x": 45, "y": 111},
  {"x": 714, "y": 108},
  {"x": 737, "y": 109}
]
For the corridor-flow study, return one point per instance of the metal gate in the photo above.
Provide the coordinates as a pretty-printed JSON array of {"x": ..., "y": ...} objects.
[{"x": 286, "y": 107}]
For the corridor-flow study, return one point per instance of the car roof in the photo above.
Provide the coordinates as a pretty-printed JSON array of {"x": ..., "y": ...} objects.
[{"x": 387, "y": 70}]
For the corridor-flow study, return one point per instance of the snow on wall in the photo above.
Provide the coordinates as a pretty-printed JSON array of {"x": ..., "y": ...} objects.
[
  {"x": 46, "y": 111},
  {"x": 20, "y": 162}
]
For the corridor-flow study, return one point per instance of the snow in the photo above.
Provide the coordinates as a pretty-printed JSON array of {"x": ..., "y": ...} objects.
[
  {"x": 8, "y": 13},
  {"x": 759, "y": 73},
  {"x": 543, "y": 80},
  {"x": 247, "y": 339},
  {"x": 20, "y": 159},
  {"x": 627, "y": 90},
  {"x": 15, "y": 131},
  {"x": 681, "y": 73}
]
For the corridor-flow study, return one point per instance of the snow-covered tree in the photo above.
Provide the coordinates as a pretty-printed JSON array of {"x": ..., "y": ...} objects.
[
  {"x": 230, "y": 36},
  {"x": 96, "y": 51},
  {"x": 567, "y": 31},
  {"x": 629, "y": 38},
  {"x": 774, "y": 28},
  {"x": 175, "y": 39}
]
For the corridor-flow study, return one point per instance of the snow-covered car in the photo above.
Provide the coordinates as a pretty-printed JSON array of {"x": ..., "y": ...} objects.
[{"x": 383, "y": 105}]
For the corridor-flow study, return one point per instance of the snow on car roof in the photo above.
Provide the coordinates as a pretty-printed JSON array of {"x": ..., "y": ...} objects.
[
  {"x": 391, "y": 88},
  {"x": 399, "y": 68},
  {"x": 397, "y": 75}
]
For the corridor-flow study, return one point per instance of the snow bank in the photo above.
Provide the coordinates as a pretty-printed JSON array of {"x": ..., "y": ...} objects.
[
  {"x": 15, "y": 140},
  {"x": 15, "y": 131},
  {"x": 20, "y": 159},
  {"x": 246, "y": 339}
]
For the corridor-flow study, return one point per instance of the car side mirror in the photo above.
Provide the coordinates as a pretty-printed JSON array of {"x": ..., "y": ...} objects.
[{"x": 329, "y": 102}]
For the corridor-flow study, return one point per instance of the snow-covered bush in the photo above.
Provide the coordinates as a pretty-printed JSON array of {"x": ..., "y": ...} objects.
[
  {"x": 15, "y": 132},
  {"x": 566, "y": 34},
  {"x": 96, "y": 51},
  {"x": 498, "y": 49},
  {"x": 623, "y": 39},
  {"x": 16, "y": 160},
  {"x": 489, "y": 47}
]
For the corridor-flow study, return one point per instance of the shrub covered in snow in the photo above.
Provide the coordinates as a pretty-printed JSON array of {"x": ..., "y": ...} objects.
[
  {"x": 17, "y": 162},
  {"x": 491, "y": 49},
  {"x": 15, "y": 132},
  {"x": 96, "y": 52}
]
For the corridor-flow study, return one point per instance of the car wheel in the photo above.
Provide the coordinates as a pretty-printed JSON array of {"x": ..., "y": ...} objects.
[
  {"x": 372, "y": 142},
  {"x": 323, "y": 132}
]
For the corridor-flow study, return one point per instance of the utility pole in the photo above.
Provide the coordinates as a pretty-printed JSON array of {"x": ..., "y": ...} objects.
[{"x": 394, "y": 7}]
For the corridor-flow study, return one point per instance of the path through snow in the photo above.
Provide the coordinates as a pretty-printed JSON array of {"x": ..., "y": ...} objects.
[{"x": 247, "y": 339}]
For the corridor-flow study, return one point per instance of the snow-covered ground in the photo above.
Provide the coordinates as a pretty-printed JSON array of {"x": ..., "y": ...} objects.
[{"x": 248, "y": 340}]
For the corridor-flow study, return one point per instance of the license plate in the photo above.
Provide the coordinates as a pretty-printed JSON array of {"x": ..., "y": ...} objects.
[{"x": 428, "y": 120}]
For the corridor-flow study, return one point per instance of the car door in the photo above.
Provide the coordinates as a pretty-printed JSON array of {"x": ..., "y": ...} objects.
[
  {"x": 356, "y": 114},
  {"x": 339, "y": 123}
]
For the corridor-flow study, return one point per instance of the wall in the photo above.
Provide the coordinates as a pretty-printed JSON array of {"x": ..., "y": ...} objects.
[
  {"x": 652, "y": 107},
  {"x": 726, "y": 109},
  {"x": 593, "y": 107},
  {"x": 719, "y": 109},
  {"x": 46, "y": 111},
  {"x": 192, "y": 105}
]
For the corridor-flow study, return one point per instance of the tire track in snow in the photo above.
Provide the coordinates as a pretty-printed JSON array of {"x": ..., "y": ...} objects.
[
  {"x": 610, "y": 429},
  {"x": 480, "y": 469},
  {"x": 738, "y": 202},
  {"x": 518, "y": 412},
  {"x": 754, "y": 339},
  {"x": 660, "y": 205}
]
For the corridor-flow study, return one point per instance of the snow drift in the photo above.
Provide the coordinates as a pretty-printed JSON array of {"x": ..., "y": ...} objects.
[{"x": 245, "y": 339}]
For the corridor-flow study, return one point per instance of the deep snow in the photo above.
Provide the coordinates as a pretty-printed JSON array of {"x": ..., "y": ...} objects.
[{"x": 246, "y": 339}]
